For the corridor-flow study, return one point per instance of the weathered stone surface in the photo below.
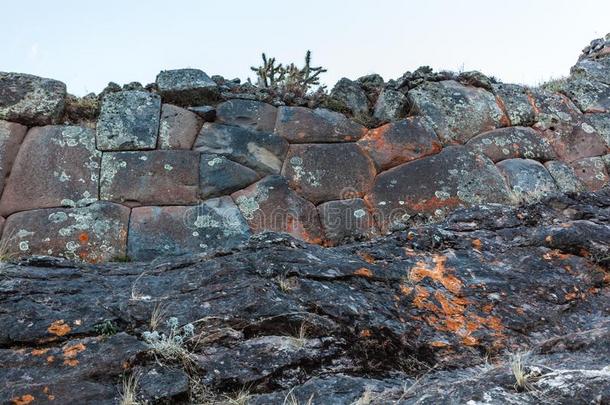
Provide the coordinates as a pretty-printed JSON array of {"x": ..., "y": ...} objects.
[
  {"x": 592, "y": 172},
  {"x": 512, "y": 142},
  {"x": 346, "y": 220},
  {"x": 400, "y": 142},
  {"x": 391, "y": 105},
  {"x": 434, "y": 185},
  {"x": 590, "y": 96},
  {"x": 56, "y": 166},
  {"x": 303, "y": 125},
  {"x": 270, "y": 205},
  {"x": 601, "y": 123},
  {"x": 11, "y": 136},
  {"x": 528, "y": 179},
  {"x": 261, "y": 151},
  {"x": 150, "y": 178},
  {"x": 323, "y": 172},
  {"x": 95, "y": 233},
  {"x": 351, "y": 95},
  {"x": 593, "y": 69},
  {"x": 178, "y": 127},
  {"x": 187, "y": 87},
  {"x": 517, "y": 102},
  {"x": 562, "y": 124},
  {"x": 31, "y": 100},
  {"x": 564, "y": 177},
  {"x": 129, "y": 120},
  {"x": 221, "y": 176},
  {"x": 205, "y": 112},
  {"x": 158, "y": 383},
  {"x": 176, "y": 230},
  {"x": 457, "y": 112},
  {"x": 248, "y": 114}
]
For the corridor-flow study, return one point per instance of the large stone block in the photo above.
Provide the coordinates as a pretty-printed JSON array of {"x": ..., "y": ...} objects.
[
  {"x": 564, "y": 177},
  {"x": 566, "y": 128},
  {"x": 261, "y": 151},
  {"x": 249, "y": 114},
  {"x": 512, "y": 142},
  {"x": 323, "y": 172},
  {"x": 162, "y": 177},
  {"x": 56, "y": 166},
  {"x": 31, "y": 100},
  {"x": 434, "y": 185},
  {"x": 351, "y": 94},
  {"x": 593, "y": 69},
  {"x": 221, "y": 176},
  {"x": 346, "y": 220},
  {"x": 304, "y": 125},
  {"x": 528, "y": 179},
  {"x": 94, "y": 233},
  {"x": 176, "y": 230},
  {"x": 399, "y": 142},
  {"x": 517, "y": 103},
  {"x": 391, "y": 105},
  {"x": 11, "y": 136},
  {"x": 601, "y": 123},
  {"x": 457, "y": 112},
  {"x": 187, "y": 87},
  {"x": 589, "y": 95},
  {"x": 129, "y": 120},
  {"x": 592, "y": 172},
  {"x": 178, "y": 127},
  {"x": 271, "y": 205}
]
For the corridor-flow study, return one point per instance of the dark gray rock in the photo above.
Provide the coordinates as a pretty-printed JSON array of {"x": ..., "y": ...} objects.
[
  {"x": 528, "y": 179},
  {"x": 590, "y": 96},
  {"x": 346, "y": 220},
  {"x": 11, "y": 136},
  {"x": 129, "y": 120},
  {"x": 178, "y": 127},
  {"x": 261, "y": 151},
  {"x": 31, "y": 100},
  {"x": 187, "y": 87},
  {"x": 162, "y": 383},
  {"x": 206, "y": 112},
  {"x": 351, "y": 95},
  {"x": 391, "y": 105},
  {"x": 517, "y": 102},
  {"x": 564, "y": 177},
  {"x": 304, "y": 125},
  {"x": 248, "y": 114},
  {"x": 221, "y": 176},
  {"x": 601, "y": 123}
]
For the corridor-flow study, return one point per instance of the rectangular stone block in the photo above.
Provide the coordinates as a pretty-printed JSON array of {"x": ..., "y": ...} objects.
[{"x": 11, "y": 136}]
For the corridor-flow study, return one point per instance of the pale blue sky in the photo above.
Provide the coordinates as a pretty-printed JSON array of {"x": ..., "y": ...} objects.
[{"x": 86, "y": 44}]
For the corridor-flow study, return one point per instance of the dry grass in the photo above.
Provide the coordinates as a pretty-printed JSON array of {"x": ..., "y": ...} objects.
[
  {"x": 135, "y": 295},
  {"x": 286, "y": 284},
  {"x": 290, "y": 399},
  {"x": 301, "y": 335},
  {"x": 240, "y": 397},
  {"x": 523, "y": 379},
  {"x": 129, "y": 391},
  {"x": 157, "y": 316}
]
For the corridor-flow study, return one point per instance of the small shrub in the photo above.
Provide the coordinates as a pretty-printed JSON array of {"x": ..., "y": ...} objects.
[
  {"x": 129, "y": 391},
  {"x": 523, "y": 378},
  {"x": 172, "y": 346},
  {"x": 106, "y": 328}
]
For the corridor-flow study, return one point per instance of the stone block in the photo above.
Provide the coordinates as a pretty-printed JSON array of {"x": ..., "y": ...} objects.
[
  {"x": 517, "y": 103},
  {"x": 304, "y": 125},
  {"x": 391, "y": 105},
  {"x": 187, "y": 87},
  {"x": 591, "y": 172},
  {"x": 249, "y": 114},
  {"x": 528, "y": 180},
  {"x": 512, "y": 142},
  {"x": 221, "y": 176},
  {"x": 564, "y": 177},
  {"x": 11, "y": 136},
  {"x": 178, "y": 127},
  {"x": 346, "y": 220}
]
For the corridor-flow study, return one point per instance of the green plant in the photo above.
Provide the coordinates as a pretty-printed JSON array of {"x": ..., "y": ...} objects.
[{"x": 106, "y": 328}]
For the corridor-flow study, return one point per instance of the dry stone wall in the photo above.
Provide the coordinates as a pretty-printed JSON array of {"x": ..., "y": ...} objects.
[{"x": 185, "y": 169}]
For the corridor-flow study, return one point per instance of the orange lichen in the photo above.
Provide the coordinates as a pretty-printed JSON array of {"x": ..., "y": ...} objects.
[
  {"x": 366, "y": 333},
  {"x": 438, "y": 274},
  {"x": 50, "y": 359},
  {"x": 71, "y": 362},
  {"x": 59, "y": 328},
  {"x": 39, "y": 352},
  {"x": 405, "y": 290},
  {"x": 367, "y": 257},
  {"x": 363, "y": 272},
  {"x": 435, "y": 203},
  {"x": 476, "y": 244},
  {"x": 23, "y": 400},
  {"x": 438, "y": 343},
  {"x": 83, "y": 238},
  {"x": 72, "y": 351}
]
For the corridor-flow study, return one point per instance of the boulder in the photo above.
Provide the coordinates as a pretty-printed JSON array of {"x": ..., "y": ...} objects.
[
  {"x": 457, "y": 112},
  {"x": 601, "y": 123},
  {"x": 176, "y": 230},
  {"x": 517, "y": 103},
  {"x": 346, "y": 220},
  {"x": 566, "y": 128},
  {"x": 304, "y": 125},
  {"x": 434, "y": 185},
  {"x": 528, "y": 179},
  {"x": 162, "y": 177},
  {"x": 399, "y": 142},
  {"x": 271, "y": 205},
  {"x": 261, "y": 151},
  {"x": 129, "y": 120},
  {"x": 591, "y": 172},
  {"x": 249, "y": 114},
  {"x": 590, "y": 96},
  {"x": 178, "y": 127},
  {"x": 31, "y": 100},
  {"x": 564, "y": 177},
  {"x": 512, "y": 142},
  {"x": 221, "y": 176},
  {"x": 593, "y": 69},
  {"x": 323, "y": 172},
  {"x": 11, "y": 136},
  {"x": 391, "y": 105},
  {"x": 96, "y": 233},
  {"x": 56, "y": 166},
  {"x": 187, "y": 87},
  {"x": 351, "y": 95}
]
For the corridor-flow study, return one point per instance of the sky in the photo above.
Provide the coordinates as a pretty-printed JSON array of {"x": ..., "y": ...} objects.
[{"x": 87, "y": 44}]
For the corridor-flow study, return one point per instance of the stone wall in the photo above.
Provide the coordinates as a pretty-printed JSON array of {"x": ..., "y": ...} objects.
[{"x": 186, "y": 168}]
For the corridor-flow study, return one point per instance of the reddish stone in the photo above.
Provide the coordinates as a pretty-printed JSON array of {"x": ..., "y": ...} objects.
[
  {"x": 270, "y": 205},
  {"x": 303, "y": 125},
  {"x": 434, "y": 185},
  {"x": 57, "y": 166},
  {"x": 178, "y": 128},
  {"x": 11, "y": 136},
  {"x": 400, "y": 142},
  {"x": 592, "y": 172},
  {"x": 512, "y": 142},
  {"x": 162, "y": 177},
  {"x": 95, "y": 233},
  {"x": 323, "y": 172},
  {"x": 249, "y": 114},
  {"x": 345, "y": 220}
]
